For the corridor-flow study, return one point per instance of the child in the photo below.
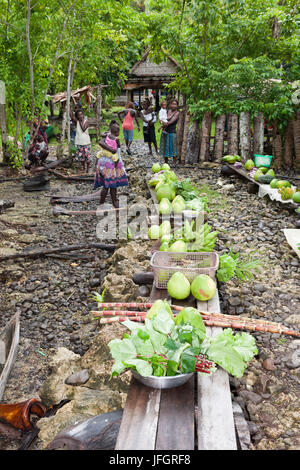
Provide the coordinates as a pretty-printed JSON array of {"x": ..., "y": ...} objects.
[
  {"x": 149, "y": 118},
  {"x": 163, "y": 115},
  {"x": 38, "y": 151},
  {"x": 110, "y": 171}
]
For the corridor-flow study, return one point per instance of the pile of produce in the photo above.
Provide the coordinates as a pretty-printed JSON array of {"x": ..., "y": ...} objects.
[
  {"x": 173, "y": 195},
  {"x": 202, "y": 288},
  {"x": 231, "y": 159},
  {"x": 184, "y": 239},
  {"x": 166, "y": 345}
]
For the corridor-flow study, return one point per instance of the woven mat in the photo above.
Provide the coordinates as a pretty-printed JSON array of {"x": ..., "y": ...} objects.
[{"x": 292, "y": 236}]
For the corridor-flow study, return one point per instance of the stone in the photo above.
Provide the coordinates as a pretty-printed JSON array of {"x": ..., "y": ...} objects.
[
  {"x": 268, "y": 364},
  {"x": 293, "y": 319},
  {"x": 251, "y": 396},
  {"x": 144, "y": 291},
  {"x": 63, "y": 363},
  {"x": 235, "y": 301},
  {"x": 78, "y": 378}
]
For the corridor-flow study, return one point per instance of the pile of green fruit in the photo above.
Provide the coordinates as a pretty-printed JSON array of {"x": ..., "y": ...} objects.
[
  {"x": 172, "y": 195},
  {"x": 184, "y": 239},
  {"x": 231, "y": 159},
  {"x": 203, "y": 287}
]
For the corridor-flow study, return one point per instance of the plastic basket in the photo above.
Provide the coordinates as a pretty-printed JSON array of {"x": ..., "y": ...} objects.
[
  {"x": 263, "y": 160},
  {"x": 164, "y": 264}
]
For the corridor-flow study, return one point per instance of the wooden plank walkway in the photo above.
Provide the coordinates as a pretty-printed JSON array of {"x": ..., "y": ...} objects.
[{"x": 166, "y": 420}]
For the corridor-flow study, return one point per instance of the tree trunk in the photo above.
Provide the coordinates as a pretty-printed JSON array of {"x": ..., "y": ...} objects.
[
  {"x": 233, "y": 134},
  {"x": 60, "y": 147},
  {"x": 258, "y": 130},
  {"x": 68, "y": 104},
  {"x": 288, "y": 153},
  {"x": 276, "y": 147},
  {"x": 205, "y": 137},
  {"x": 296, "y": 132},
  {"x": 245, "y": 141},
  {"x": 185, "y": 137},
  {"x": 99, "y": 110},
  {"x": 193, "y": 143},
  {"x": 219, "y": 138},
  {"x": 3, "y": 122},
  {"x": 30, "y": 61}
]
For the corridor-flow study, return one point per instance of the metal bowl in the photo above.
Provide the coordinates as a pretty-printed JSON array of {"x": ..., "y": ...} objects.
[{"x": 163, "y": 382}]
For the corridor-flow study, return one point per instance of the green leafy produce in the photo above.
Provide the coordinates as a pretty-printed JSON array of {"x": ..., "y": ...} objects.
[
  {"x": 205, "y": 239},
  {"x": 159, "y": 306},
  {"x": 186, "y": 190},
  {"x": 232, "y": 352},
  {"x": 197, "y": 204},
  {"x": 230, "y": 266},
  {"x": 165, "y": 346}
]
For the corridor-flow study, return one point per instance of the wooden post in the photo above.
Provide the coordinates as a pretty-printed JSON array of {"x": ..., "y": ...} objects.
[
  {"x": 296, "y": 132},
  {"x": 193, "y": 144},
  {"x": 98, "y": 111},
  {"x": 185, "y": 137},
  {"x": 288, "y": 152},
  {"x": 219, "y": 138},
  {"x": 3, "y": 122},
  {"x": 60, "y": 147},
  {"x": 258, "y": 134},
  {"x": 205, "y": 137},
  {"x": 233, "y": 134},
  {"x": 276, "y": 146},
  {"x": 245, "y": 142}
]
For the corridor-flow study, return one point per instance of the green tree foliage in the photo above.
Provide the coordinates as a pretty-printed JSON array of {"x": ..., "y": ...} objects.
[{"x": 235, "y": 55}]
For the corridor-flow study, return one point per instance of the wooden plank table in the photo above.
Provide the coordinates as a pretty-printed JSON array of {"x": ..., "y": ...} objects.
[{"x": 165, "y": 419}]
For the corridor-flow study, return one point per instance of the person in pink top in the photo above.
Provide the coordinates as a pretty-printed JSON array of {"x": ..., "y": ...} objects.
[{"x": 128, "y": 114}]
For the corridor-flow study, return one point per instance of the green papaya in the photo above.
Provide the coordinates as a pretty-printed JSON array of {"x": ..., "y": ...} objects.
[
  {"x": 257, "y": 174},
  {"x": 271, "y": 172},
  {"x": 274, "y": 183},
  {"x": 284, "y": 184},
  {"x": 263, "y": 169},
  {"x": 296, "y": 197},
  {"x": 249, "y": 164}
]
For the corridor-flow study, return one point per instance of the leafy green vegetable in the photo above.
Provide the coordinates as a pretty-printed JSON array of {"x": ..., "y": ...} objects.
[
  {"x": 230, "y": 265},
  {"x": 232, "y": 352}
]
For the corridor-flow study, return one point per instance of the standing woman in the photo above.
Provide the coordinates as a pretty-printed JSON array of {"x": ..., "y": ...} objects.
[
  {"x": 149, "y": 118},
  {"x": 82, "y": 139},
  {"x": 129, "y": 114},
  {"x": 168, "y": 142}
]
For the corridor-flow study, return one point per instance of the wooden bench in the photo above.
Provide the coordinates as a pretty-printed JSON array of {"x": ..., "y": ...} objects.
[{"x": 196, "y": 415}]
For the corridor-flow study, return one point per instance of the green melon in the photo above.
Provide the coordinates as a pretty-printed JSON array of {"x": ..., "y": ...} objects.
[
  {"x": 296, "y": 197},
  {"x": 274, "y": 183}
]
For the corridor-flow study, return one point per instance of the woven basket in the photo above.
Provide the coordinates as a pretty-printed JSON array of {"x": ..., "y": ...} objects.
[
  {"x": 164, "y": 264},
  {"x": 263, "y": 160}
]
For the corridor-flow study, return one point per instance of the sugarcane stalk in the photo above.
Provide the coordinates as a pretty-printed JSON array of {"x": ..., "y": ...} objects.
[{"x": 213, "y": 320}]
